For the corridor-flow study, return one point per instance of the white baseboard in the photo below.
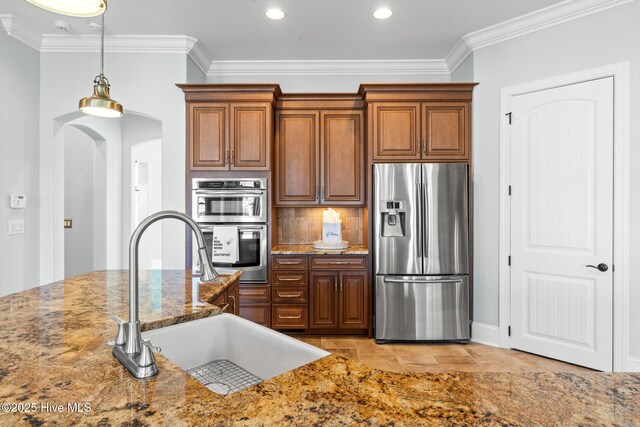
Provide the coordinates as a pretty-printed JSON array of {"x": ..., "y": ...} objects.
[
  {"x": 633, "y": 364},
  {"x": 485, "y": 334}
]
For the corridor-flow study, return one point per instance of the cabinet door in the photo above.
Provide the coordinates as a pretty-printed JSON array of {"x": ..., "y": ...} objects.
[
  {"x": 446, "y": 130},
  {"x": 208, "y": 135},
  {"x": 322, "y": 300},
  {"x": 233, "y": 298},
  {"x": 258, "y": 313},
  {"x": 354, "y": 300},
  {"x": 396, "y": 131},
  {"x": 342, "y": 154},
  {"x": 251, "y": 135},
  {"x": 297, "y": 172}
]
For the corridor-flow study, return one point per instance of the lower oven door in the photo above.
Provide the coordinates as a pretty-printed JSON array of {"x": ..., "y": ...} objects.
[{"x": 252, "y": 253}]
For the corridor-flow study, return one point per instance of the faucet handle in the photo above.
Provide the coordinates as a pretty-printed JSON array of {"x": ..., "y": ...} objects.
[
  {"x": 121, "y": 338},
  {"x": 152, "y": 346},
  {"x": 146, "y": 357}
]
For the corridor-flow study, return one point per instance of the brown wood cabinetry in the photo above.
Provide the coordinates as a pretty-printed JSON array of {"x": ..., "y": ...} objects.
[
  {"x": 353, "y": 297},
  {"x": 320, "y": 157},
  {"x": 396, "y": 131},
  {"x": 336, "y": 293},
  {"x": 419, "y": 122},
  {"x": 297, "y": 170},
  {"x": 323, "y": 303},
  {"x": 426, "y": 131},
  {"x": 229, "y": 127},
  {"x": 229, "y": 299},
  {"x": 254, "y": 303},
  {"x": 342, "y": 158},
  {"x": 208, "y": 136}
]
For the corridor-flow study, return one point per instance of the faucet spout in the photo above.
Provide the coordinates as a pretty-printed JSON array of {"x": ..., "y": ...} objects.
[{"x": 128, "y": 352}]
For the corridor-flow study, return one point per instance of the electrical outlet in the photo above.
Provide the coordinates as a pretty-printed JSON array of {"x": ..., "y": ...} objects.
[
  {"x": 18, "y": 201},
  {"x": 16, "y": 227}
]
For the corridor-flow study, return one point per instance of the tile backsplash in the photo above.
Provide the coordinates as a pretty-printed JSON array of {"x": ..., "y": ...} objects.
[{"x": 302, "y": 226}]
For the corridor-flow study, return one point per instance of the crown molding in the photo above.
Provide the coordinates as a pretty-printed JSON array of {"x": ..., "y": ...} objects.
[
  {"x": 20, "y": 30},
  {"x": 89, "y": 43},
  {"x": 328, "y": 67},
  {"x": 200, "y": 57},
  {"x": 538, "y": 20},
  {"x": 458, "y": 54}
]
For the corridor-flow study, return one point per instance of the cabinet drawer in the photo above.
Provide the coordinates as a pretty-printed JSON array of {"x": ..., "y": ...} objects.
[
  {"x": 289, "y": 278},
  {"x": 290, "y": 263},
  {"x": 257, "y": 313},
  {"x": 338, "y": 263},
  {"x": 258, "y": 293},
  {"x": 289, "y": 294},
  {"x": 289, "y": 316}
]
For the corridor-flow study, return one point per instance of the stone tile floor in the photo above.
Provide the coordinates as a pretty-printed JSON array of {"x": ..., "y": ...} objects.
[{"x": 470, "y": 357}]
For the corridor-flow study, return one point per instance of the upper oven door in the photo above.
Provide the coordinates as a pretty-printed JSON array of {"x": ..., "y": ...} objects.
[{"x": 230, "y": 206}]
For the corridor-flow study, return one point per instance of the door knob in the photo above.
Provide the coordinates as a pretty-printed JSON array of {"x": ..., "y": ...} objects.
[{"x": 602, "y": 267}]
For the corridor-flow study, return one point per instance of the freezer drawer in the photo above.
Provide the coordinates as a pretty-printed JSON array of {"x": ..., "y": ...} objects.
[{"x": 422, "y": 308}]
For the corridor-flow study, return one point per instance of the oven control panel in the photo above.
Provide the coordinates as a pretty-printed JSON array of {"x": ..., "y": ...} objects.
[{"x": 227, "y": 184}]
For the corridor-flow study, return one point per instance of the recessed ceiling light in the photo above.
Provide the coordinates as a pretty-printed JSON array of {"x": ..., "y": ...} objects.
[
  {"x": 275, "y": 14},
  {"x": 382, "y": 13}
]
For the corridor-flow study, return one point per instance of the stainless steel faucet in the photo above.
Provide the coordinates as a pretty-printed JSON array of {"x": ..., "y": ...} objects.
[{"x": 129, "y": 348}]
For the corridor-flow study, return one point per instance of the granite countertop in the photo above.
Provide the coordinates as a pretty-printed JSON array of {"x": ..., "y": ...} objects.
[
  {"x": 310, "y": 250},
  {"x": 53, "y": 352}
]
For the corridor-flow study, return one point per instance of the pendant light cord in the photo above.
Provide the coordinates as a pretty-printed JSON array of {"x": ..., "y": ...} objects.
[{"x": 102, "y": 48}]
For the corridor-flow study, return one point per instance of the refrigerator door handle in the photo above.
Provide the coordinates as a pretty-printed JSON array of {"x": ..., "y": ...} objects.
[
  {"x": 419, "y": 221},
  {"x": 425, "y": 214},
  {"x": 458, "y": 280}
]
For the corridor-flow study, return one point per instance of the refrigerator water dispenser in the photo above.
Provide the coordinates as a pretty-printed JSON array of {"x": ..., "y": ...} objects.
[{"x": 393, "y": 219}]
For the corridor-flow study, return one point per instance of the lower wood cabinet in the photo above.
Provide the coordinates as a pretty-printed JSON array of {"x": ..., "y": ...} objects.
[
  {"x": 258, "y": 313},
  {"x": 289, "y": 316},
  {"x": 229, "y": 299},
  {"x": 331, "y": 296},
  {"x": 254, "y": 303},
  {"x": 323, "y": 301},
  {"x": 353, "y": 300}
]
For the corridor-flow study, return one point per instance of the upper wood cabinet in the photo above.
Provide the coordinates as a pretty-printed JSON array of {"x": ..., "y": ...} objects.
[
  {"x": 419, "y": 122},
  {"x": 208, "y": 135},
  {"x": 229, "y": 127},
  {"x": 297, "y": 157},
  {"x": 396, "y": 131},
  {"x": 342, "y": 154},
  {"x": 320, "y": 157}
]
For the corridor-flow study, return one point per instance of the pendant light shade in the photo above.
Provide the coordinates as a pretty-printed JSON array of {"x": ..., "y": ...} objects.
[
  {"x": 100, "y": 103},
  {"x": 83, "y": 8}
]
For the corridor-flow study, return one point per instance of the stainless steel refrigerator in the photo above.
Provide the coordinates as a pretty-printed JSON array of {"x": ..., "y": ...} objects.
[{"x": 421, "y": 246}]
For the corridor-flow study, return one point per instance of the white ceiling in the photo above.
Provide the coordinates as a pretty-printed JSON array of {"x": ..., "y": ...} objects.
[{"x": 312, "y": 29}]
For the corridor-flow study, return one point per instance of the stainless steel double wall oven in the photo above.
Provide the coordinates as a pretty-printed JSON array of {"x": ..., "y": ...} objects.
[{"x": 240, "y": 203}]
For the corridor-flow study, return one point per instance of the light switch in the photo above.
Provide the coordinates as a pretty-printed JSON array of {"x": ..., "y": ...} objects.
[
  {"x": 16, "y": 227},
  {"x": 18, "y": 201},
  {"x": 68, "y": 223}
]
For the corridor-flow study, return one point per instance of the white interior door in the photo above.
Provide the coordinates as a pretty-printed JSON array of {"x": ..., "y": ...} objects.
[{"x": 562, "y": 222}]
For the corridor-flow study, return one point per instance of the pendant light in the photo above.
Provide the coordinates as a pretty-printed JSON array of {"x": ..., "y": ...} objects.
[
  {"x": 82, "y": 8},
  {"x": 100, "y": 103}
]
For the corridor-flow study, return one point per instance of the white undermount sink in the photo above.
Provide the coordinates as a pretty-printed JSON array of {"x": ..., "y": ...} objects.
[{"x": 228, "y": 353}]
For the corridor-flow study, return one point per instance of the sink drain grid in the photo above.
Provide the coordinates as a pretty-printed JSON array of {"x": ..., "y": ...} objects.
[{"x": 223, "y": 376}]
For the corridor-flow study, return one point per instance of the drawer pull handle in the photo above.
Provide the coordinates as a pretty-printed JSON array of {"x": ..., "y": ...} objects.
[
  {"x": 292, "y": 279},
  {"x": 290, "y": 317},
  {"x": 337, "y": 262},
  {"x": 224, "y": 308},
  {"x": 289, "y": 262},
  {"x": 289, "y": 295}
]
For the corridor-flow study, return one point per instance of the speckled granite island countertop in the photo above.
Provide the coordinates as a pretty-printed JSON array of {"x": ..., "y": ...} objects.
[
  {"x": 310, "y": 250},
  {"x": 53, "y": 352}
]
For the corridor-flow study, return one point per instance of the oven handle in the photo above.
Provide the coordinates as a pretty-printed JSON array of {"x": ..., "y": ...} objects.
[
  {"x": 249, "y": 227},
  {"x": 228, "y": 193}
]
